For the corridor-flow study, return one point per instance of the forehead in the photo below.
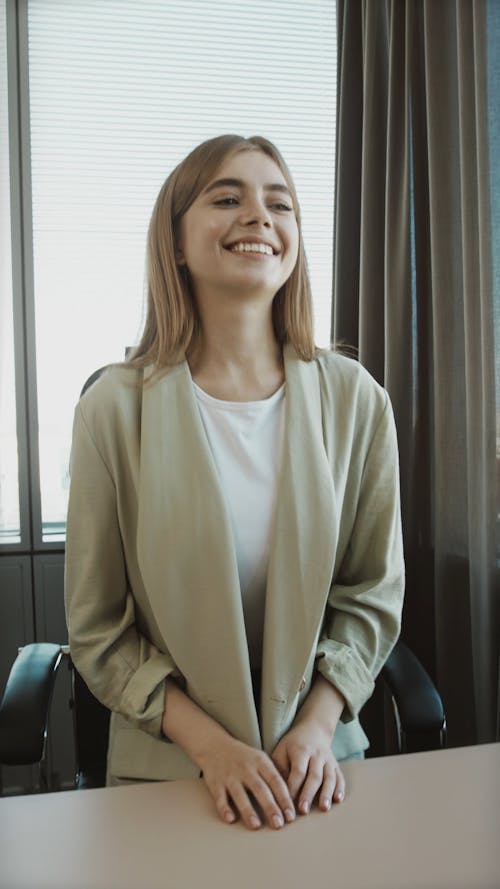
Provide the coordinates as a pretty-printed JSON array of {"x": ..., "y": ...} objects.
[{"x": 249, "y": 165}]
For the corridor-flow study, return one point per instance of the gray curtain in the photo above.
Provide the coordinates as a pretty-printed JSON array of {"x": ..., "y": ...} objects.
[{"x": 413, "y": 292}]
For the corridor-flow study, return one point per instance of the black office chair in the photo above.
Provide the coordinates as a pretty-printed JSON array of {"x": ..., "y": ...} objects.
[
  {"x": 418, "y": 721},
  {"x": 25, "y": 710}
]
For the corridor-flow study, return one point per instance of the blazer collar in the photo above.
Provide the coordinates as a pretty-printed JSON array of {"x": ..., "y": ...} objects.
[{"x": 303, "y": 543}]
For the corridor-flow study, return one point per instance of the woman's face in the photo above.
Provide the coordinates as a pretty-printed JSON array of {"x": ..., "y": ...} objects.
[{"x": 240, "y": 236}]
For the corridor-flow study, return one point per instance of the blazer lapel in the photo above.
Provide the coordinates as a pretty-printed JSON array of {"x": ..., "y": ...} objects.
[
  {"x": 187, "y": 557},
  {"x": 302, "y": 549}
]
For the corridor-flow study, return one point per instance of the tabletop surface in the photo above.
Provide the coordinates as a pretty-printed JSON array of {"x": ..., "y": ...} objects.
[{"x": 419, "y": 821}]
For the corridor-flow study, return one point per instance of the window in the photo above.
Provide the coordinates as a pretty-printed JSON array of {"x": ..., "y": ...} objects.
[{"x": 119, "y": 92}]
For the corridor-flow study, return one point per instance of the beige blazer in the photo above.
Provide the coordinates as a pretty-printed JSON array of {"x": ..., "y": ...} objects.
[{"x": 151, "y": 577}]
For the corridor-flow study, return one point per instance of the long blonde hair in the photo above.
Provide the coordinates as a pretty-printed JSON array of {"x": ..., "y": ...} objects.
[{"x": 172, "y": 321}]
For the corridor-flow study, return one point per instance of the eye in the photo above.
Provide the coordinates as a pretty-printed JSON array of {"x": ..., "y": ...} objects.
[
  {"x": 282, "y": 206},
  {"x": 226, "y": 202}
]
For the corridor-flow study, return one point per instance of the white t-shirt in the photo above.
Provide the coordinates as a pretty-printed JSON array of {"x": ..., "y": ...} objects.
[{"x": 246, "y": 439}]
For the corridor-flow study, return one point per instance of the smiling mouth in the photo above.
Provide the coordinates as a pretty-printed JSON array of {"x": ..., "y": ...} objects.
[{"x": 248, "y": 247}]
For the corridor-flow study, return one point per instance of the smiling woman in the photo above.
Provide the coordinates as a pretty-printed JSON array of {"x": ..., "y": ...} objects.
[{"x": 234, "y": 570}]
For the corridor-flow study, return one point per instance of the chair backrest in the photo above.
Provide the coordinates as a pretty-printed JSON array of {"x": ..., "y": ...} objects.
[
  {"x": 93, "y": 378},
  {"x": 91, "y": 724},
  {"x": 377, "y": 720}
]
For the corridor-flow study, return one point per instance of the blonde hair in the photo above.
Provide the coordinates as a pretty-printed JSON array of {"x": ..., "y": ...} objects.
[{"x": 172, "y": 321}]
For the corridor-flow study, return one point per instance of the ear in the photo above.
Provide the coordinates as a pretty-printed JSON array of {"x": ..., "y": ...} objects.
[
  {"x": 179, "y": 249},
  {"x": 178, "y": 238}
]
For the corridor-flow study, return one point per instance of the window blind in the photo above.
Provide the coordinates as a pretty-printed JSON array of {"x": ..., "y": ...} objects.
[{"x": 120, "y": 91}]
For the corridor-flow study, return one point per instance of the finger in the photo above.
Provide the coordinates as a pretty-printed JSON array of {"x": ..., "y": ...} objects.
[
  {"x": 224, "y": 809},
  {"x": 281, "y": 761},
  {"x": 330, "y": 778},
  {"x": 271, "y": 795},
  {"x": 311, "y": 785},
  {"x": 339, "y": 794},
  {"x": 245, "y": 808},
  {"x": 280, "y": 792},
  {"x": 297, "y": 776}
]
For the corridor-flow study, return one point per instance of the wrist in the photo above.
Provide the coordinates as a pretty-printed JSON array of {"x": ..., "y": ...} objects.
[
  {"x": 323, "y": 707},
  {"x": 213, "y": 740},
  {"x": 189, "y": 726}
]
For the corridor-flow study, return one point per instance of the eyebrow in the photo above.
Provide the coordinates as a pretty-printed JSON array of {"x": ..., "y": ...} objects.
[{"x": 239, "y": 183}]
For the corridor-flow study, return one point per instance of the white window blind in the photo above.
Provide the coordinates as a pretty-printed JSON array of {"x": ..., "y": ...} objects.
[{"x": 120, "y": 91}]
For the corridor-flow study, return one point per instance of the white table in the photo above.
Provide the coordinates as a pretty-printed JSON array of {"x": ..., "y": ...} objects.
[{"x": 421, "y": 821}]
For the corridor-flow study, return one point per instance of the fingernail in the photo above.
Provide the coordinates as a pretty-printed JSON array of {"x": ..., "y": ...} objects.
[
  {"x": 254, "y": 821},
  {"x": 304, "y": 807},
  {"x": 340, "y": 796},
  {"x": 277, "y": 821},
  {"x": 289, "y": 814},
  {"x": 326, "y": 804}
]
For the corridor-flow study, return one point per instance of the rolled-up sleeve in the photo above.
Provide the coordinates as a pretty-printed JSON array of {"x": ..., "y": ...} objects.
[
  {"x": 122, "y": 667},
  {"x": 363, "y": 616}
]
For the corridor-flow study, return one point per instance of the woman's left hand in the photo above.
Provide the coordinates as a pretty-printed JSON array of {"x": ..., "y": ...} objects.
[{"x": 306, "y": 762}]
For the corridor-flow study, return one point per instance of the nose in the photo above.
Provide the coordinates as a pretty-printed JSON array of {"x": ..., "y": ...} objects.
[{"x": 255, "y": 212}]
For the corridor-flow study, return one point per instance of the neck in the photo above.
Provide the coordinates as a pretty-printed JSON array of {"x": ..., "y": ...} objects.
[{"x": 236, "y": 357}]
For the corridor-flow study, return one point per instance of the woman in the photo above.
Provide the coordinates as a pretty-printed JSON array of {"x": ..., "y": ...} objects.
[{"x": 234, "y": 561}]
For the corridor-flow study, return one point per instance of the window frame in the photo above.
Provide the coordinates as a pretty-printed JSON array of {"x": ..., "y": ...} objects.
[{"x": 23, "y": 306}]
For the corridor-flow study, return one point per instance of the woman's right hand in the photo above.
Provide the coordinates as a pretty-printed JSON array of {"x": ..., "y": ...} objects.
[
  {"x": 244, "y": 781},
  {"x": 240, "y": 778}
]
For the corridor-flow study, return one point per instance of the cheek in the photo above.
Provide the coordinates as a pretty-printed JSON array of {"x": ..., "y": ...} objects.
[
  {"x": 215, "y": 233},
  {"x": 294, "y": 248},
  {"x": 199, "y": 242},
  {"x": 292, "y": 233}
]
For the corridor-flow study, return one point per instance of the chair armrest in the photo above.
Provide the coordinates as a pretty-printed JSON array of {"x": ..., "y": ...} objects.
[
  {"x": 419, "y": 709},
  {"x": 24, "y": 709}
]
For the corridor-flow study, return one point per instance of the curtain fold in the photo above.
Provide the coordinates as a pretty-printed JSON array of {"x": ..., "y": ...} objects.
[{"x": 413, "y": 292}]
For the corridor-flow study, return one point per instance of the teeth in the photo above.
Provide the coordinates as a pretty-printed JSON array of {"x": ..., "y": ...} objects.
[{"x": 244, "y": 247}]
